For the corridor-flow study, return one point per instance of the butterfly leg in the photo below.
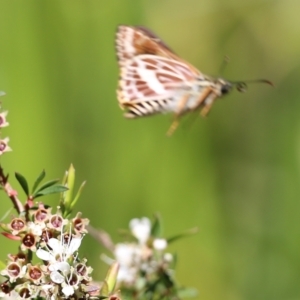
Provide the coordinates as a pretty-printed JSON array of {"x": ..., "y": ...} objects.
[
  {"x": 208, "y": 104},
  {"x": 203, "y": 96},
  {"x": 177, "y": 115}
]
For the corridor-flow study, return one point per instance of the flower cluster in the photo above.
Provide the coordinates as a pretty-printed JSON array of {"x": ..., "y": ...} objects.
[
  {"x": 47, "y": 265},
  {"x": 144, "y": 256},
  {"x": 146, "y": 268},
  {"x": 55, "y": 242}
]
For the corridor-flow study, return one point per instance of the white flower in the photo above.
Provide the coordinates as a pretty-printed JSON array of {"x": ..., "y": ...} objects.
[
  {"x": 58, "y": 257},
  {"x": 55, "y": 275},
  {"x": 60, "y": 251},
  {"x": 168, "y": 257},
  {"x": 160, "y": 244},
  {"x": 71, "y": 285},
  {"x": 36, "y": 229},
  {"x": 129, "y": 258},
  {"x": 68, "y": 290},
  {"x": 141, "y": 229},
  {"x": 127, "y": 254}
]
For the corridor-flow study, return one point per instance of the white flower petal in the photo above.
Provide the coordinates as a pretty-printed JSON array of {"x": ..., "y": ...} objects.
[
  {"x": 125, "y": 253},
  {"x": 36, "y": 229},
  {"x": 160, "y": 244},
  {"x": 168, "y": 257},
  {"x": 74, "y": 245},
  {"x": 44, "y": 255},
  {"x": 55, "y": 244},
  {"x": 57, "y": 277},
  {"x": 60, "y": 266},
  {"x": 63, "y": 266},
  {"x": 141, "y": 229},
  {"x": 68, "y": 290},
  {"x": 46, "y": 287}
]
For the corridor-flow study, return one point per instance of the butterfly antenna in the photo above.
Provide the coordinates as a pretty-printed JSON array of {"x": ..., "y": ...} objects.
[{"x": 241, "y": 86}]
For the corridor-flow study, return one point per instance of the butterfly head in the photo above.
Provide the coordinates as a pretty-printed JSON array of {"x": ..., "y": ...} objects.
[{"x": 225, "y": 86}]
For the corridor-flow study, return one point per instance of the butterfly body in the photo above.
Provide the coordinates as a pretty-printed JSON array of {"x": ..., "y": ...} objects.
[{"x": 153, "y": 79}]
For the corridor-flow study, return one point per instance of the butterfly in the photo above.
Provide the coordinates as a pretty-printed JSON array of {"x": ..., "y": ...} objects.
[{"x": 153, "y": 79}]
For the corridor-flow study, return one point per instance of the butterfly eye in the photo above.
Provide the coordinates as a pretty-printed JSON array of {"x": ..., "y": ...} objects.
[{"x": 225, "y": 89}]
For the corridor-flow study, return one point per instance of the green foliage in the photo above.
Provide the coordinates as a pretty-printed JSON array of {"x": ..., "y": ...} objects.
[
  {"x": 108, "y": 285},
  {"x": 23, "y": 182},
  {"x": 182, "y": 235},
  {"x": 50, "y": 187},
  {"x": 67, "y": 201},
  {"x": 156, "y": 226},
  {"x": 38, "y": 181}
]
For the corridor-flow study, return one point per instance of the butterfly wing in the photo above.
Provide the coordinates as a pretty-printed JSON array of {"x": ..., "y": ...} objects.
[
  {"x": 151, "y": 74},
  {"x": 133, "y": 41}
]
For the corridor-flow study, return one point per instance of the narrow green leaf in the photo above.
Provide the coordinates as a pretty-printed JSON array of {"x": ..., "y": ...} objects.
[
  {"x": 111, "y": 277},
  {"x": 46, "y": 185},
  {"x": 23, "y": 182},
  {"x": 70, "y": 184},
  {"x": 51, "y": 190},
  {"x": 104, "y": 290},
  {"x": 74, "y": 201},
  {"x": 186, "y": 233},
  {"x": 38, "y": 181},
  {"x": 156, "y": 227},
  {"x": 174, "y": 262}
]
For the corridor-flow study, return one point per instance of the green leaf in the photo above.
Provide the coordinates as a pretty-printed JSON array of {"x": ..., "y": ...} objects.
[
  {"x": 23, "y": 182},
  {"x": 104, "y": 290},
  {"x": 186, "y": 233},
  {"x": 45, "y": 186},
  {"x": 156, "y": 227},
  {"x": 74, "y": 201},
  {"x": 70, "y": 180},
  {"x": 38, "y": 180},
  {"x": 51, "y": 190},
  {"x": 111, "y": 277}
]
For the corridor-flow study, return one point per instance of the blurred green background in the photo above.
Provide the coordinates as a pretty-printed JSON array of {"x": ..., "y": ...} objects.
[{"x": 235, "y": 175}]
